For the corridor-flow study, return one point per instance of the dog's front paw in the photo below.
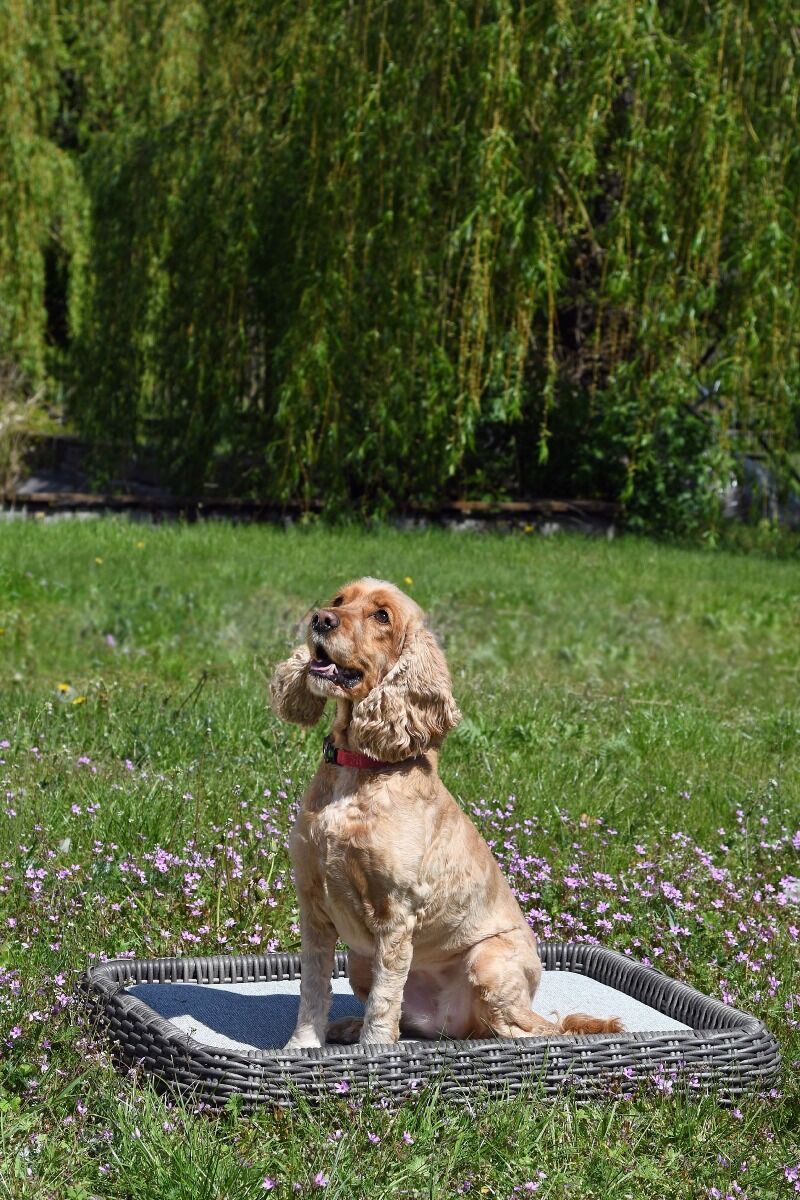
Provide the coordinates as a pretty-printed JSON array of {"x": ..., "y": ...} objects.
[
  {"x": 378, "y": 1035},
  {"x": 304, "y": 1041}
]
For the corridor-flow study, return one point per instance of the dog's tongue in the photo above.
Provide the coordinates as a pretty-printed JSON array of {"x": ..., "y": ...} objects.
[{"x": 320, "y": 668}]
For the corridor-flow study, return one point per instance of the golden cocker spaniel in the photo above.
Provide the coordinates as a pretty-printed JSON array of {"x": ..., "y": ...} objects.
[{"x": 383, "y": 856}]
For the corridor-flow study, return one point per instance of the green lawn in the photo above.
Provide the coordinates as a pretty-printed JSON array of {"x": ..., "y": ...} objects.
[{"x": 629, "y": 745}]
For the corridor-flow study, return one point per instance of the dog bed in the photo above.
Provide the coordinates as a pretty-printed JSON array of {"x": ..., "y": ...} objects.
[{"x": 215, "y": 1027}]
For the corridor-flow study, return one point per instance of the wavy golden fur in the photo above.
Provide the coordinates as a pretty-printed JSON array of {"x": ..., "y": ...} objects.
[{"x": 384, "y": 858}]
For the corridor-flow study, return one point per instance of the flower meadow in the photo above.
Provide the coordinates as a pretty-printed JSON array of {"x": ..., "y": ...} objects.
[
  {"x": 725, "y": 917},
  {"x": 146, "y": 798}
]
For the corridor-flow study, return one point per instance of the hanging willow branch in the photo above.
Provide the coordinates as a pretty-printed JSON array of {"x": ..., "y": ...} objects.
[{"x": 370, "y": 252}]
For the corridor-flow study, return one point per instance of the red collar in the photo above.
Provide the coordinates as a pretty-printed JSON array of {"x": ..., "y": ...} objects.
[{"x": 352, "y": 758}]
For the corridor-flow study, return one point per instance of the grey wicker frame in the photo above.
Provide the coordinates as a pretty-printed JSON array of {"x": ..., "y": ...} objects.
[{"x": 723, "y": 1049}]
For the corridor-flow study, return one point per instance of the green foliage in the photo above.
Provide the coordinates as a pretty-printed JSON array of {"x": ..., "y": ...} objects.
[
  {"x": 18, "y": 413},
  {"x": 371, "y": 252},
  {"x": 42, "y": 196}
]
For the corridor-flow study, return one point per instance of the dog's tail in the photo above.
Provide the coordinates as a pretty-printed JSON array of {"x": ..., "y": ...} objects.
[
  {"x": 534, "y": 1025},
  {"x": 583, "y": 1023}
]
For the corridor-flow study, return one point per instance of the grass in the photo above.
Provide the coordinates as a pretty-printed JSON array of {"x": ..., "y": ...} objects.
[{"x": 630, "y": 746}]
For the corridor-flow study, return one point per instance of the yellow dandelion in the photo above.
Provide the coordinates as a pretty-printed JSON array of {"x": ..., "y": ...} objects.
[
  {"x": 63, "y": 687},
  {"x": 79, "y": 700},
  {"x": 99, "y": 562},
  {"x": 408, "y": 580},
  {"x": 140, "y": 545},
  {"x": 527, "y": 529}
]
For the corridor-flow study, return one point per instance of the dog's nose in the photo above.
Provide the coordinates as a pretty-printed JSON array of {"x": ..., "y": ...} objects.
[{"x": 324, "y": 620}]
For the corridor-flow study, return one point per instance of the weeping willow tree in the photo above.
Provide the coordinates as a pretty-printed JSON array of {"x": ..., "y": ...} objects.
[
  {"x": 43, "y": 205},
  {"x": 378, "y": 251}
]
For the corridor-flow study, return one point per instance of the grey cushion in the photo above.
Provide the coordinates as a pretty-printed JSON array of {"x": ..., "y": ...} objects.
[{"x": 261, "y": 1016}]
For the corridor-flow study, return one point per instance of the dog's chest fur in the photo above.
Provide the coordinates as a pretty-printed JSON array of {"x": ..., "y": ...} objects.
[{"x": 349, "y": 837}]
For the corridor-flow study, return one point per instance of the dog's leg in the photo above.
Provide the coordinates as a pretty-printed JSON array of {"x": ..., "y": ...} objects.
[
  {"x": 317, "y": 946},
  {"x": 390, "y": 966},
  {"x": 359, "y": 970},
  {"x": 504, "y": 972}
]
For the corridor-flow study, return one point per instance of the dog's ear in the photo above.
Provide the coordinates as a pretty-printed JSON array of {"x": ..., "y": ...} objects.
[
  {"x": 288, "y": 689},
  {"x": 410, "y": 710}
]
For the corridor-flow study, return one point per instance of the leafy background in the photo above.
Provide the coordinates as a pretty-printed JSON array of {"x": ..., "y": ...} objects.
[{"x": 384, "y": 251}]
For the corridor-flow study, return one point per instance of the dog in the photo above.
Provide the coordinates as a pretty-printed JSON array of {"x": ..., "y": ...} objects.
[{"x": 383, "y": 856}]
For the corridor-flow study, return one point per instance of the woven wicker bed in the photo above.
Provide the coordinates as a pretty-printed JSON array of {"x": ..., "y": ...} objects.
[{"x": 221, "y": 1035}]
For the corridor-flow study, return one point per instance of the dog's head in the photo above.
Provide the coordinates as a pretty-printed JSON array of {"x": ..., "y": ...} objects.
[{"x": 370, "y": 646}]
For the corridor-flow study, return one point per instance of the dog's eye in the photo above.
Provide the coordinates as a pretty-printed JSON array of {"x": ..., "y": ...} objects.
[
  {"x": 337, "y": 602},
  {"x": 382, "y": 616}
]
